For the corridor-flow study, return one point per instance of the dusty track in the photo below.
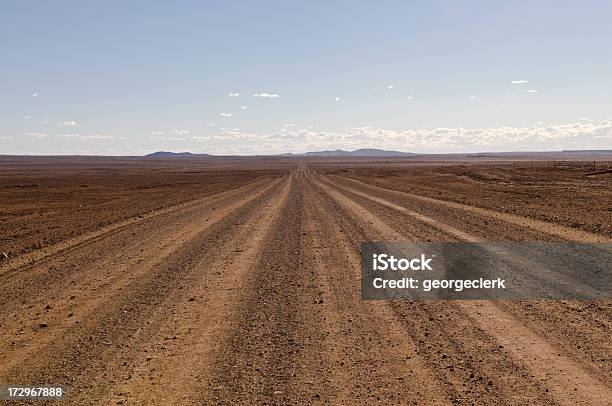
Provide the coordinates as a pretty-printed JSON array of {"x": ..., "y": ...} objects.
[{"x": 251, "y": 296}]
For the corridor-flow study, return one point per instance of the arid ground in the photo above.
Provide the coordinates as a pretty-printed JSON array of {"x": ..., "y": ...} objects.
[{"x": 236, "y": 281}]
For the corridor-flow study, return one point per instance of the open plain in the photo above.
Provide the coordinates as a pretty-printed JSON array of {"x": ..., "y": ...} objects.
[{"x": 236, "y": 281}]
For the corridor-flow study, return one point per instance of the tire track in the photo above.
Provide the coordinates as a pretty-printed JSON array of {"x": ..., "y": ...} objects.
[
  {"x": 70, "y": 245},
  {"x": 92, "y": 265},
  {"x": 251, "y": 296},
  {"x": 463, "y": 357},
  {"x": 567, "y": 381},
  {"x": 61, "y": 305},
  {"x": 556, "y": 230},
  {"x": 369, "y": 358},
  {"x": 84, "y": 349},
  {"x": 258, "y": 359},
  {"x": 197, "y": 328},
  {"x": 586, "y": 347}
]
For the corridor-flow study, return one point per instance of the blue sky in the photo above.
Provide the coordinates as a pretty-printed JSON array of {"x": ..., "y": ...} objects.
[{"x": 134, "y": 77}]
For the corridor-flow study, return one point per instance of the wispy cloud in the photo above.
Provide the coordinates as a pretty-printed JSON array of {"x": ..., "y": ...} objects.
[
  {"x": 225, "y": 114},
  {"x": 390, "y": 87},
  {"x": 244, "y": 107},
  {"x": 267, "y": 95},
  {"x": 519, "y": 82},
  {"x": 35, "y": 94},
  {"x": 89, "y": 137},
  {"x": 577, "y": 135},
  {"x": 179, "y": 131},
  {"x": 37, "y": 135},
  {"x": 472, "y": 97},
  {"x": 70, "y": 123},
  {"x": 529, "y": 91},
  {"x": 233, "y": 94},
  {"x": 177, "y": 135},
  {"x": 103, "y": 137}
]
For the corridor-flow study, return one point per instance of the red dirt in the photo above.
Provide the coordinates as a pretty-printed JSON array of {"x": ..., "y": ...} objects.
[{"x": 217, "y": 282}]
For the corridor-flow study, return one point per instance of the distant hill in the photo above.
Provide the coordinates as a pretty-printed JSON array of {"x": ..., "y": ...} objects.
[
  {"x": 167, "y": 154},
  {"x": 381, "y": 153},
  {"x": 364, "y": 152}
]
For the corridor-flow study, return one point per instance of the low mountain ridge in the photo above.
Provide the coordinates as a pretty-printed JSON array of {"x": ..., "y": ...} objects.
[
  {"x": 169, "y": 154},
  {"x": 363, "y": 152}
]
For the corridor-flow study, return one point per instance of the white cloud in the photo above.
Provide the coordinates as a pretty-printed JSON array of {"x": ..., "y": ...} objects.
[
  {"x": 157, "y": 132},
  {"x": 409, "y": 98},
  {"x": 26, "y": 117},
  {"x": 89, "y": 137},
  {"x": 37, "y": 135},
  {"x": 35, "y": 94},
  {"x": 472, "y": 97},
  {"x": 233, "y": 94},
  {"x": 267, "y": 95},
  {"x": 390, "y": 87},
  {"x": 70, "y": 123},
  {"x": 337, "y": 99},
  {"x": 519, "y": 82},
  {"x": 211, "y": 125},
  {"x": 244, "y": 107},
  {"x": 6, "y": 138},
  {"x": 103, "y": 137},
  {"x": 529, "y": 91},
  {"x": 225, "y": 114},
  {"x": 178, "y": 131},
  {"x": 580, "y": 135}
]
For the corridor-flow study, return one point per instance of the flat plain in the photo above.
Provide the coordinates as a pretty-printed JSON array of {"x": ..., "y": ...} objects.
[{"x": 236, "y": 281}]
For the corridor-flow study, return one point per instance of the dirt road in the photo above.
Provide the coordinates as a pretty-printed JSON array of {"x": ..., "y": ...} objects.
[{"x": 251, "y": 296}]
